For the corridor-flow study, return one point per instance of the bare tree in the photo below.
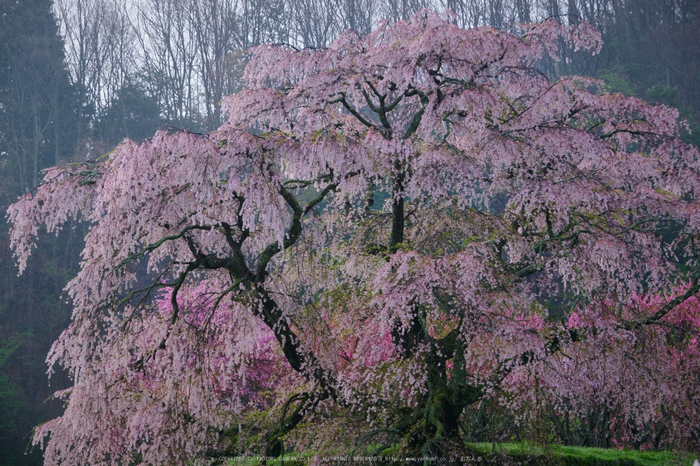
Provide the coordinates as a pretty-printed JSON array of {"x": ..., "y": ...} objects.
[
  {"x": 262, "y": 21},
  {"x": 572, "y": 12},
  {"x": 399, "y": 10},
  {"x": 358, "y": 15},
  {"x": 81, "y": 24},
  {"x": 551, "y": 8},
  {"x": 523, "y": 8},
  {"x": 212, "y": 23},
  {"x": 314, "y": 22},
  {"x": 169, "y": 54},
  {"x": 121, "y": 60}
]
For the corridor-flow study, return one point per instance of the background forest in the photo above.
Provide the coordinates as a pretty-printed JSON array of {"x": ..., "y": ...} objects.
[{"x": 78, "y": 76}]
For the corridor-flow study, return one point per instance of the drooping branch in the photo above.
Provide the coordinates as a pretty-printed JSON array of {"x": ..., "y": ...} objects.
[
  {"x": 295, "y": 227},
  {"x": 139, "y": 364},
  {"x": 418, "y": 116},
  {"x": 307, "y": 403},
  {"x": 380, "y": 110},
  {"x": 668, "y": 307},
  {"x": 291, "y": 237},
  {"x": 300, "y": 359},
  {"x": 342, "y": 99},
  {"x": 152, "y": 247}
]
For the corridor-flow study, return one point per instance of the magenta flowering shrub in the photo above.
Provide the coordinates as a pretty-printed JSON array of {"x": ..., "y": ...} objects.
[
  {"x": 168, "y": 401},
  {"x": 645, "y": 376},
  {"x": 250, "y": 377}
]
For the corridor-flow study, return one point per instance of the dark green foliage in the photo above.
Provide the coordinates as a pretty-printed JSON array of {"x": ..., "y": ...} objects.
[
  {"x": 556, "y": 455},
  {"x": 652, "y": 51},
  {"x": 36, "y": 96},
  {"x": 134, "y": 115},
  {"x": 31, "y": 318},
  {"x": 37, "y": 129}
]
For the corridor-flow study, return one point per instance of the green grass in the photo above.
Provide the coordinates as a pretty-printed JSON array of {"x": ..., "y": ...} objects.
[
  {"x": 522, "y": 454},
  {"x": 580, "y": 456}
]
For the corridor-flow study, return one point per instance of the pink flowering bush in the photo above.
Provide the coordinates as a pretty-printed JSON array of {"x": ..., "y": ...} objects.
[
  {"x": 218, "y": 363},
  {"x": 611, "y": 381},
  {"x": 645, "y": 378}
]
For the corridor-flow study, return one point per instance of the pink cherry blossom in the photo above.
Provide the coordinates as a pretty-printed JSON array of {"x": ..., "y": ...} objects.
[{"x": 368, "y": 243}]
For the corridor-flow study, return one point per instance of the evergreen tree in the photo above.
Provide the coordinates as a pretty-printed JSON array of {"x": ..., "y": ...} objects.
[{"x": 36, "y": 122}]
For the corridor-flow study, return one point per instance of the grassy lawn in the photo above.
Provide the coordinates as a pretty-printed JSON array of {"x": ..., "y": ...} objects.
[
  {"x": 580, "y": 456},
  {"x": 520, "y": 454}
]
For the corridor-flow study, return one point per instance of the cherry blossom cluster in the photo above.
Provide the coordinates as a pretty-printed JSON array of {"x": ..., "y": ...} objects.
[{"x": 375, "y": 233}]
